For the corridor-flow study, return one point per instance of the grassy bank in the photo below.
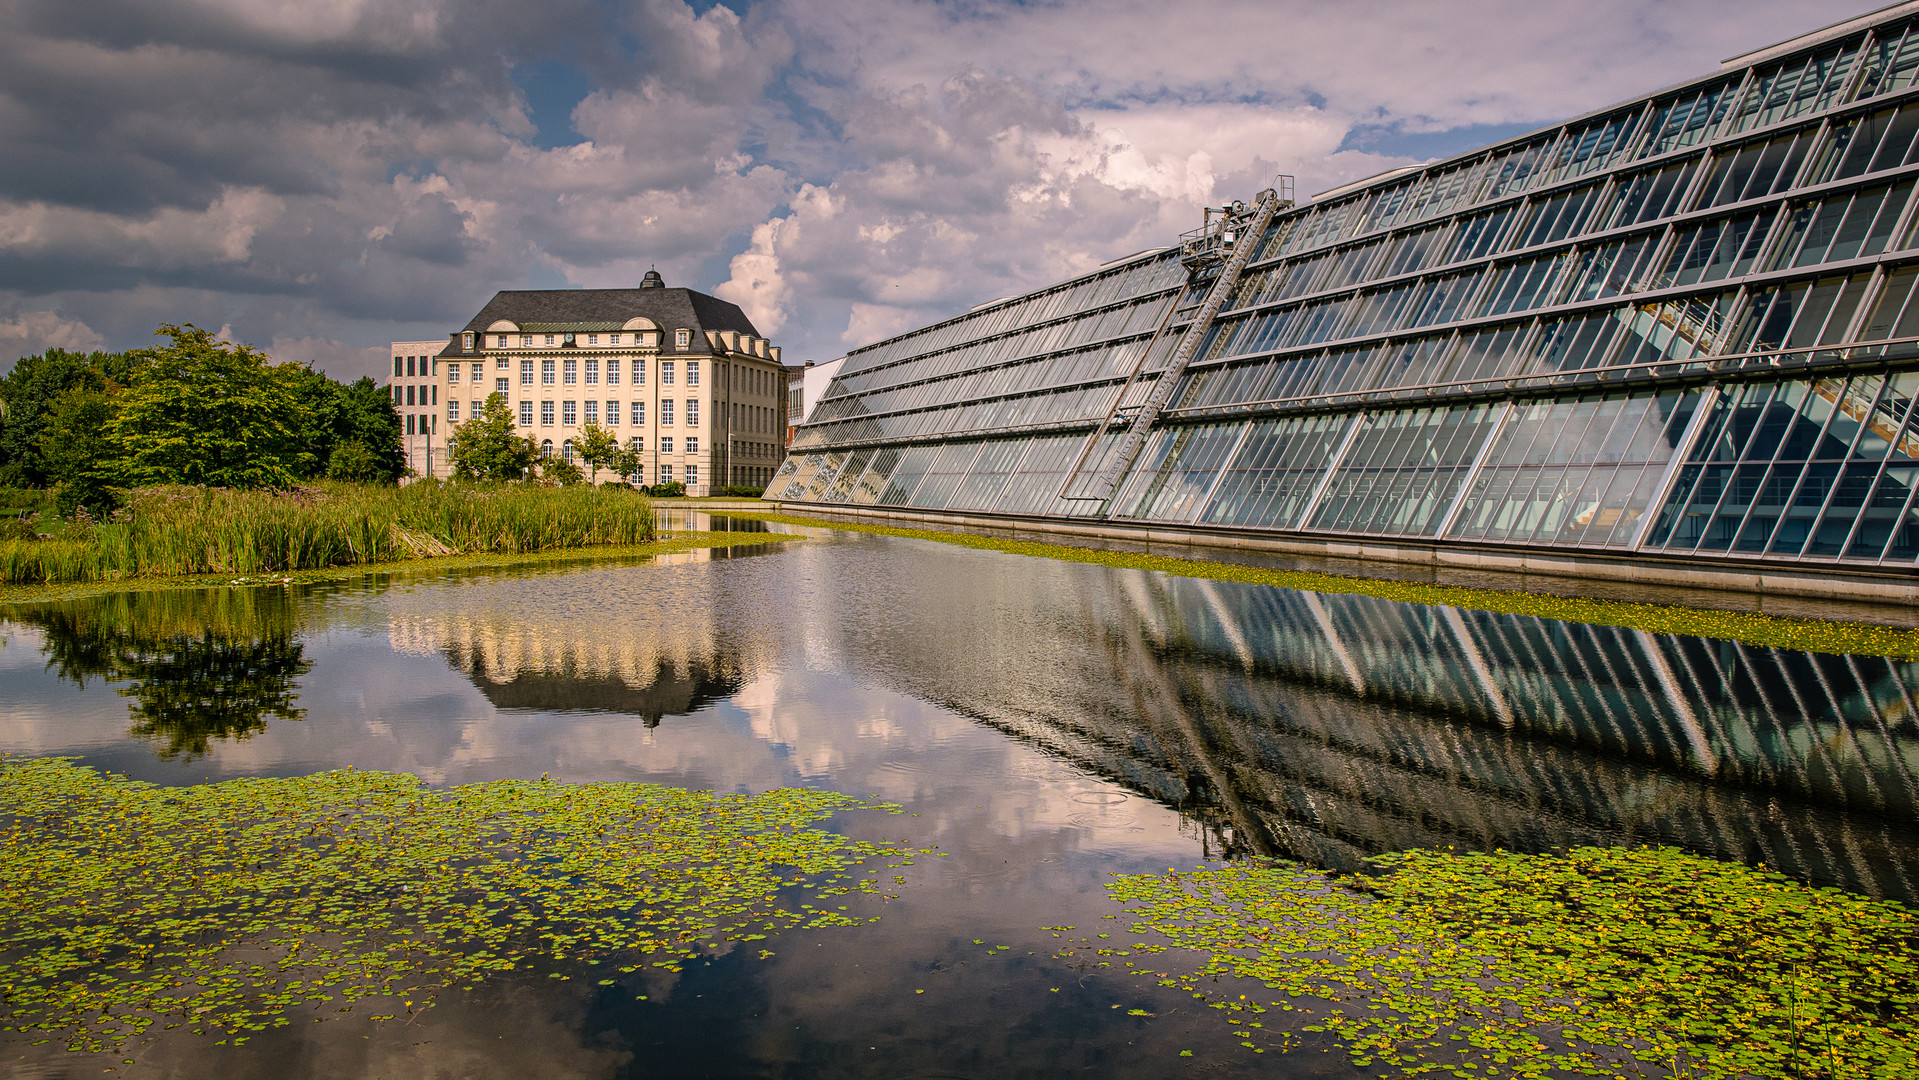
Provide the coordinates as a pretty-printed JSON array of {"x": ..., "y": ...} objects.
[
  {"x": 1772, "y": 631},
  {"x": 185, "y": 532}
]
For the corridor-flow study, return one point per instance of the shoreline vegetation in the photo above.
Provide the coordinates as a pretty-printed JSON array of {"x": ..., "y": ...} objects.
[
  {"x": 184, "y": 532},
  {"x": 1749, "y": 628}
]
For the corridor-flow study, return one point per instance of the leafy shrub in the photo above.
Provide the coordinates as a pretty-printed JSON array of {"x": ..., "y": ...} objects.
[
  {"x": 742, "y": 491},
  {"x": 672, "y": 489}
]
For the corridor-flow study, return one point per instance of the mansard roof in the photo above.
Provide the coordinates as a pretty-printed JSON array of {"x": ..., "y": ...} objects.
[{"x": 672, "y": 309}]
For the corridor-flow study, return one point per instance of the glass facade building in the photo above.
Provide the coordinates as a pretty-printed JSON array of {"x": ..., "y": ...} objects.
[{"x": 1685, "y": 325}]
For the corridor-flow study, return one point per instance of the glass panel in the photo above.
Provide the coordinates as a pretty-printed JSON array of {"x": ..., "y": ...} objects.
[
  {"x": 1277, "y": 470},
  {"x": 988, "y": 477},
  {"x": 849, "y": 476},
  {"x": 945, "y": 474},
  {"x": 879, "y": 472},
  {"x": 907, "y": 474},
  {"x": 1192, "y": 459},
  {"x": 1403, "y": 471}
]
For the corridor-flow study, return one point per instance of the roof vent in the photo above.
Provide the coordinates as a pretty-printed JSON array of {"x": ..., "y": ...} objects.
[{"x": 652, "y": 280}]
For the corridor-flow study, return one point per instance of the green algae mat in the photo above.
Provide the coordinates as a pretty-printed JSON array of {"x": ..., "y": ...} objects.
[
  {"x": 220, "y": 908},
  {"x": 1608, "y": 962}
]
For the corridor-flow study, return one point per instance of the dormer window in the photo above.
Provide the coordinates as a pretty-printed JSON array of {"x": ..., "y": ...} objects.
[
  {"x": 682, "y": 339},
  {"x": 592, "y": 339},
  {"x": 549, "y": 339},
  {"x": 613, "y": 339},
  {"x": 467, "y": 339},
  {"x": 526, "y": 341}
]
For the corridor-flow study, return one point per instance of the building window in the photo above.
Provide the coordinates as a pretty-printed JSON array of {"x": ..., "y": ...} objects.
[
  {"x": 666, "y": 474},
  {"x": 571, "y": 372},
  {"x": 466, "y": 339},
  {"x": 500, "y": 342},
  {"x": 666, "y": 373},
  {"x": 502, "y": 363},
  {"x": 692, "y": 474},
  {"x": 613, "y": 339},
  {"x": 566, "y": 450},
  {"x": 526, "y": 373},
  {"x": 452, "y": 411},
  {"x": 639, "y": 373},
  {"x": 546, "y": 414},
  {"x": 499, "y": 386},
  {"x": 409, "y": 394},
  {"x": 546, "y": 448},
  {"x": 692, "y": 373},
  {"x": 436, "y": 393},
  {"x": 409, "y": 423},
  {"x": 526, "y": 341},
  {"x": 569, "y": 413},
  {"x": 546, "y": 373},
  {"x": 453, "y": 373},
  {"x": 666, "y": 413},
  {"x": 592, "y": 412},
  {"x": 639, "y": 414},
  {"x": 612, "y": 372},
  {"x": 591, "y": 339},
  {"x": 475, "y": 376},
  {"x": 692, "y": 445},
  {"x": 612, "y": 413},
  {"x": 397, "y": 361},
  {"x": 549, "y": 339},
  {"x": 666, "y": 444},
  {"x": 409, "y": 366},
  {"x": 526, "y": 414},
  {"x": 592, "y": 373},
  {"x": 682, "y": 338},
  {"x": 692, "y": 412}
]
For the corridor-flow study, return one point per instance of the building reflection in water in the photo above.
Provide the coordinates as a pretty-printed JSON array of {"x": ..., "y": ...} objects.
[{"x": 1327, "y": 728}]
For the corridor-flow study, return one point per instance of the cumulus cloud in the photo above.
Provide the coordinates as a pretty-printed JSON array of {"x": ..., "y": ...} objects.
[
  {"x": 333, "y": 176},
  {"x": 36, "y": 331}
]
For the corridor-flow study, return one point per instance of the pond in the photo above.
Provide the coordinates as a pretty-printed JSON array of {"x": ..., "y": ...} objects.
[{"x": 1041, "y": 725}]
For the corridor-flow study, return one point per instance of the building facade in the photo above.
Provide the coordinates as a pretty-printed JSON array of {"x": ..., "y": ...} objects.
[
  {"x": 680, "y": 375},
  {"x": 1682, "y": 328},
  {"x": 415, "y": 390}
]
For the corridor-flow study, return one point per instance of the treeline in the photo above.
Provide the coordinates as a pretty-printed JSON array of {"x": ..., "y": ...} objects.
[{"x": 94, "y": 426}]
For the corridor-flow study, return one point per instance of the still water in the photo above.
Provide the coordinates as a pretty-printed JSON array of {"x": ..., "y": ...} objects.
[{"x": 1045, "y": 724}]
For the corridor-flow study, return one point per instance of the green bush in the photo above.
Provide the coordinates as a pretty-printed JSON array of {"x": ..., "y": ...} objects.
[
  {"x": 175, "y": 531},
  {"x": 742, "y": 491},
  {"x": 672, "y": 489},
  {"x": 17, "y": 499}
]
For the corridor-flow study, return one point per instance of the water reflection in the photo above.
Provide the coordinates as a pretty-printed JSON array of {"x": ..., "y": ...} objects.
[
  {"x": 195, "y": 666},
  {"x": 1329, "y": 728}
]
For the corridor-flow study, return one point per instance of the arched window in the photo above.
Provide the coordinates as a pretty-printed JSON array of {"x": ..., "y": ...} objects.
[
  {"x": 546, "y": 448},
  {"x": 566, "y": 450}
]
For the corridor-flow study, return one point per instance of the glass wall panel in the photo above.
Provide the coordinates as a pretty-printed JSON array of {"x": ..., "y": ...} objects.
[
  {"x": 823, "y": 476},
  {"x": 1277, "y": 470},
  {"x": 879, "y": 472},
  {"x": 988, "y": 478},
  {"x": 1867, "y": 144},
  {"x": 1765, "y": 167},
  {"x": 1687, "y": 118},
  {"x": 1846, "y": 225},
  {"x": 1580, "y": 471},
  {"x": 1893, "y": 61},
  {"x": 1608, "y": 269},
  {"x": 907, "y": 474},
  {"x": 1896, "y": 313},
  {"x": 1035, "y": 487},
  {"x": 944, "y": 475},
  {"x": 799, "y": 477},
  {"x": 1715, "y": 250},
  {"x": 1189, "y": 459},
  {"x": 849, "y": 476},
  {"x": 1650, "y": 194},
  {"x": 1811, "y": 467},
  {"x": 1403, "y": 471},
  {"x": 1800, "y": 313},
  {"x": 1888, "y": 521},
  {"x": 1796, "y": 86}
]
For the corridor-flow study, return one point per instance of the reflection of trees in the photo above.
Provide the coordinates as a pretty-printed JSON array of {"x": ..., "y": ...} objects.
[
  {"x": 672, "y": 691},
  {"x": 195, "y": 666}
]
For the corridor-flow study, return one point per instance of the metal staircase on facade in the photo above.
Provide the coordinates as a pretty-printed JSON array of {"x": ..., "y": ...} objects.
[{"x": 1220, "y": 248}]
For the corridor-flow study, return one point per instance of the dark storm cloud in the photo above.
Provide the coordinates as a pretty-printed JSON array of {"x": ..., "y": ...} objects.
[{"x": 320, "y": 177}]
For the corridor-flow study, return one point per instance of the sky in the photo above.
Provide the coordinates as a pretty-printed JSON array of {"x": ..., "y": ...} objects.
[{"x": 321, "y": 177}]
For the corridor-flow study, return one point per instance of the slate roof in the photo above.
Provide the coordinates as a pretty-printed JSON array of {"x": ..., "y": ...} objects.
[{"x": 672, "y": 309}]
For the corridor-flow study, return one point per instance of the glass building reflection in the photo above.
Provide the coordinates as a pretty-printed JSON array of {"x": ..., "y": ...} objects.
[{"x": 1686, "y": 325}]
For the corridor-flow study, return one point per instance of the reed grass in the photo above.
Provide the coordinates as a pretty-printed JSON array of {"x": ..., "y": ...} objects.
[{"x": 184, "y": 531}]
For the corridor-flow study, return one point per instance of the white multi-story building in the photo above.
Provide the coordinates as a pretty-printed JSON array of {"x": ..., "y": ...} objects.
[
  {"x": 415, "y": 390},
  {"x": 683, "y": 376}
]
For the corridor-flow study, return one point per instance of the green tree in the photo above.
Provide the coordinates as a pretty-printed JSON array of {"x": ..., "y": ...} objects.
[
  {"x": 77, "y": 452},
  {"x": 203, "y": 411},
  {"x": 489, "y": 447},
  {"x": 318, "y": 402},
  {"x": 560, "y": 471},
  {"x": 368, "y": 423},
  {"x": 29, "y": 390},
  {"x": 598, "y": 447}
]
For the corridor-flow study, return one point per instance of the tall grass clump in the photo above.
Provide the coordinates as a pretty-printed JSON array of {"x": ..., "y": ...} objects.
[{"x": 181, "y": 531}]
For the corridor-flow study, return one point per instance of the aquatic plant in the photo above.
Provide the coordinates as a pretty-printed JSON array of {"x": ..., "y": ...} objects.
[
  {"x": 180, "y": 531},
  {"x": 1597, "y": 962},
  {"x": 221, "y": 908},
  {"x": 1752, "y": 628}
]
